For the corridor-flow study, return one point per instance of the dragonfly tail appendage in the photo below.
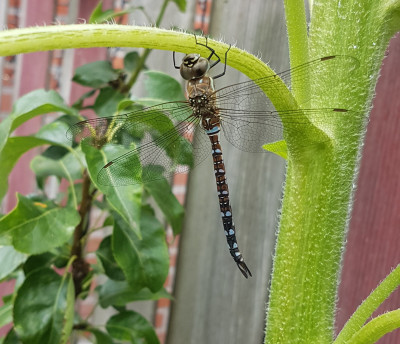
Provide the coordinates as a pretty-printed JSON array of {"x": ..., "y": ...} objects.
[{"x": 243, "y": 268}]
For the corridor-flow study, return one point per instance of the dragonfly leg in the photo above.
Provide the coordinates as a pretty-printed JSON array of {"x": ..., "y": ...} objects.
[
  {"x": 173, "y": 58},
  {"x": 226, "y": 59},
  {"x": 211, "y": 50}
]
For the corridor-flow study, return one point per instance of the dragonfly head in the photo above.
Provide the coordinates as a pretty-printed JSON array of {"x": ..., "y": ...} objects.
[{"x": 194, "y": 66}]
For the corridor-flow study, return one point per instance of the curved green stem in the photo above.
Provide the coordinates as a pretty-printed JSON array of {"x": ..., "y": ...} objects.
[
  {"x": 298, "y": 42},
  {"x": 369, "y": 305},
  {"x": 377, "y": 328}
]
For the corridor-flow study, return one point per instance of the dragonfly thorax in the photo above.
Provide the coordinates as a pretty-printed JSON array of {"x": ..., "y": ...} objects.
[
  {"x": 194, "y": 66},
  {"x": 200, "y": 92}
]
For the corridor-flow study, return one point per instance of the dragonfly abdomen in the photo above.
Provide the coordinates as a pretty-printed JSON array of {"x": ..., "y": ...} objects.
[{"x": 224, "y": 205}]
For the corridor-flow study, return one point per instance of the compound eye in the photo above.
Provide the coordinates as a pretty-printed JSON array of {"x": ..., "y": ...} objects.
[{"x": 201, "y": 67}]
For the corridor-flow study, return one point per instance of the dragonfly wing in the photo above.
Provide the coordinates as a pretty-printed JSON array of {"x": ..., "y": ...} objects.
[
  {"x": 244, "y": 93},
  {"x": 250, "y": 120},
  {"x": 250, "y": 131},
  {"x": 161, "y": 145}
]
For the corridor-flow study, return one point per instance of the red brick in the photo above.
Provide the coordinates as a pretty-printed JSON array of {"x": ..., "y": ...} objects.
[
  {"x": 13, "y": 3},
  {"x": 159, "y": 319},
  {"x": 62, "y": 10},
  {"x": 94, "y": 244},
  {"x": 56, "y": 61},
  {"x": 12, "y": 19},
  {"x": 163, "y": 303},
  {"x": 53, "y": 83},
  {"x": 118, "y": 62},
  {"x": 180, "y": 178},
  {"x": 8, "y": 77},
  {"x": 6, "y": 103}
]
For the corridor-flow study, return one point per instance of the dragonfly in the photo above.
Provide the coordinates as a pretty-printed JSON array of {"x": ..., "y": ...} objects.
[{"x": 159, "y": 134}]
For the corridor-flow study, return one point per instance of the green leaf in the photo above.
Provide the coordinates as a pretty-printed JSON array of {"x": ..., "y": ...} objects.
[
  {"x": 10, "y": 260},
  {"x": 160, "y": 190},
  {"x": 55, "y": 132},
  {"x": 95, "y": 74},
  {"x": 12, "y": 338},
  {"x": 144, "y": 262},
  {"x": 96, "y": 17},
  {"x": 126, "y": 200},
  {"x": 119, "y": 293},
  {"x": 105, "y": 256},
  {"x": 38, "y": 261},
  {"x": 278, "y": 148},
  {"x": 14, "y": 148},
  {"x": 107, "y": 101},
  {"x": 131, "y": 326},
  {"x": 43, "y": 309},
  {"x": 181, "y": 5},
  {"x": 123, "y": 104},
  {"x": 38, "y": 227},
  {"x": 36, "y": 103},
  {"x": 79, "y": 103},
  {"x": 131, "y": 61},
  {"x": 67, "y": 167},
  {"x": 162, "y": 87},
  {"x": 101, "y": 337},
  {"x": 99, "y": 16},
  {"x": 6, "y": 312}
]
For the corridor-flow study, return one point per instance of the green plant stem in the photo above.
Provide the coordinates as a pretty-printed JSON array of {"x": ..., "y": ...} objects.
[
  {"x": 308, "y": 250},
  {"x": 377, "y": 328},
  {"x": 80, "y": 267},
  {"x": 320, "y": 183},
  {"x": 298, "y": 41},
  {"x": 28, "y": 40},
  {"x": 369, "y": 305},
  {"x": 146, "y": 53}
]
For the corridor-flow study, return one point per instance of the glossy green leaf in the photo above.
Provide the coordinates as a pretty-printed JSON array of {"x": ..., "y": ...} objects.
[
  {"x": 119, "y": 293},
  {"x": 105, "y": 256},
  {"x": 78, "y": 105},
  {"x": 174, "y": 212},
  {"x": 38, "y": 227},
  {"x": 131, "y": 60},
  {"x": 5, "y": 129},
  {"x": 67, "y": 167},
  {"x": 36, "y": 103},
  {"x": 38, "y": 261},
  {"x": 278, "y": 148},
  {"x": 55, "y": 132},
  {"x": 10, "y": 260},
  {"x": 132, "y": 327},
  {"x": 123, "y": 104},
  {"x": 126, "y": 200},
  {"x": 181, "y": 5},
  {"x": 95, "y": 74},
  {"x": 99, "y": 16},
  {"x": 107, "y": 101},
  {"x": 100, "y": 336},
  {"x": 13, "y": 149},
  {"x": 144, "y": 262},
  {"x": 43, "y": 309},
  {"x": 6, "y": 312},
  {"x": 11, "y": 338},
  {"x": 162, "y": 87}
]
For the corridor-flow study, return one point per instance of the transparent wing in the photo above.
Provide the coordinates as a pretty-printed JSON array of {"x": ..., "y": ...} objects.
[
  {"x": 250, "y": 131},
  {"x": 160, "y": 136},
  {"x": 249, "y": 119}
]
